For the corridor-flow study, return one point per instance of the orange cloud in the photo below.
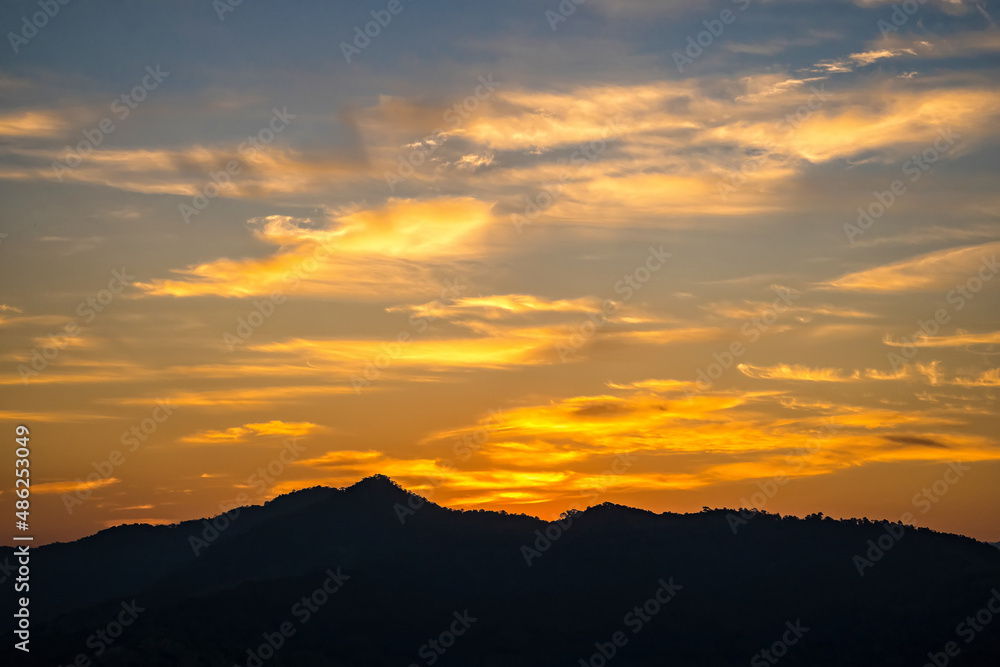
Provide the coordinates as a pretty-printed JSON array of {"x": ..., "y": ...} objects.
[
  {"x": 362, "y": 252},
  {"x": 516, "y": 347},
  {"x": 988, "y": 378},
  {"x": 491, "y": 346},
  {"x": 960, "y": 339},
  {"x": 239, "y": 398},
  {"x": 793, "y": 372},
  {"x": 658, "y": 386},
  {"x": 56, "y": 416},
  {"x": 32, "y": 123},
  {"x": 69, "y": 487},
  {"x": 244, "y": 433},
  {"x": 939, "y": 270},
  {"x": 341, "y": 457},
  {"x": 501, "y": 305},
  {"x": 656, "y": 440},
  {"x": 805, "y": 373}
]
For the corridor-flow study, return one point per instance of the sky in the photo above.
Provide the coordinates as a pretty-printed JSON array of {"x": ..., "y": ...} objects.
[{"x": 521, "y": 256}]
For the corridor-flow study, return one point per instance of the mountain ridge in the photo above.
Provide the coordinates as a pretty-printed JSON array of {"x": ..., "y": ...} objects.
[
  {"x": 383, "y": 487},
  {"x": 546, "y": 592}
]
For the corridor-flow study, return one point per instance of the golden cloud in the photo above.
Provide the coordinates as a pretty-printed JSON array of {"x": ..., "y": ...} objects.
[
  {"x": 32, "y": 123},
  {"x": 794, "y": 372},
  {"x": 960, "y": 339},
  {"x": 361, "y": 252},
  {"x": 239, "y": 398},
  {"x": 70, "y": 487},
  {"x": 555, "y": 452},
  {"x": 244, "y": 433},
  {"x": 502, "y": 305},
  {"x": 988, "y": 378},
  {"x": 939, "y": 270}
]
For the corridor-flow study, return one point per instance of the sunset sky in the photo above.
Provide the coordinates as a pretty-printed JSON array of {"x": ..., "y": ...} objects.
[{"x": 512, "y": 256}]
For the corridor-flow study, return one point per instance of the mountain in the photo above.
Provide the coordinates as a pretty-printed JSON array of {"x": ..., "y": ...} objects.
[{"x": 374, "y": 575}]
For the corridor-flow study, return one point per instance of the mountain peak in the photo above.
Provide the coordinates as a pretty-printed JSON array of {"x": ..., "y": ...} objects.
[
  {"x": 377, "y": 486},
  {"x": 376, "y": 481}
]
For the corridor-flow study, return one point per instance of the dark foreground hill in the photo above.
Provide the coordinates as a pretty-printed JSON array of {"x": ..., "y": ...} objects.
[{"x": 335, "y": 577}]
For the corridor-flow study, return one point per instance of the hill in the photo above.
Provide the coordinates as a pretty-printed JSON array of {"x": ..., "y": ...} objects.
[{"x": 374, "y": 575}]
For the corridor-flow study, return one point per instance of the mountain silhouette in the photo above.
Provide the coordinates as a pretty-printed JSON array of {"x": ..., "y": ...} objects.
[{"x": 375, "y": 575}]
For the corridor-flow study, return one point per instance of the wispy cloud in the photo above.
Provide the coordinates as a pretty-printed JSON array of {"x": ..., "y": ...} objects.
[
  {"x": 960, "y": 339},
  {"x": 939, "y": 270},
  {"x": 71, "y": 486},
  {"x": 32, "y": 123},
  {"x": 808, "y": 374},
  {"x": 240, "y": 434},
  {"x": 359, "y": 252}
]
